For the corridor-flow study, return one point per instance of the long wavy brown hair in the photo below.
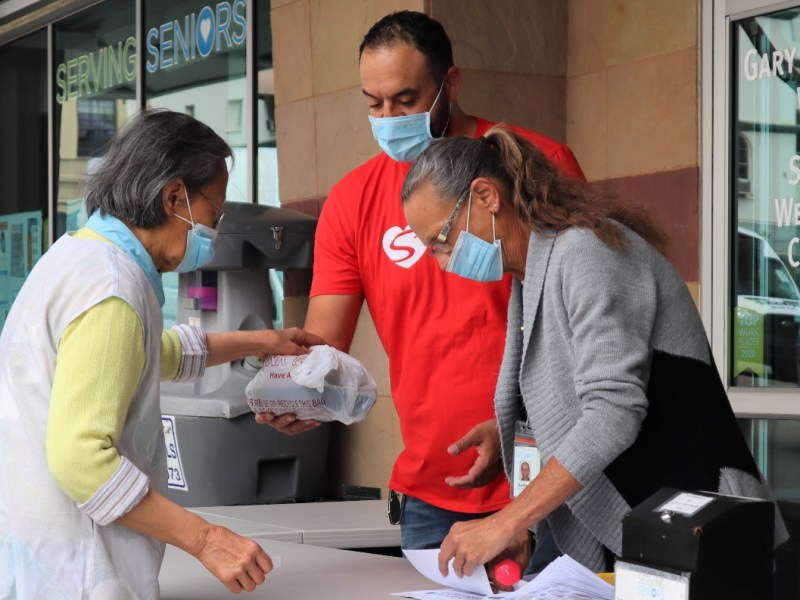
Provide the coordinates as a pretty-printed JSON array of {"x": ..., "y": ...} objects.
[{"x": 545, "y": 198}]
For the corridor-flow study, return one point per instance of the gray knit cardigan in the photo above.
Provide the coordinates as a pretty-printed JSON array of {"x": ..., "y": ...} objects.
[{"x": 608, "y": 353}]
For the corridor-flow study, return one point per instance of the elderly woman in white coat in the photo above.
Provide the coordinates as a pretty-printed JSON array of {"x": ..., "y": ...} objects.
[
  {"x": 606, "y": 358},
  {"x": 83, "y": 478}
]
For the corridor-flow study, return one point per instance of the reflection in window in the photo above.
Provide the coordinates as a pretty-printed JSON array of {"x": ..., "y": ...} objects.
[
  {"x": 96, "y": 125},
  {"x": 195, "y": 62},
  {"x": 23, "y": 162},
  {"x": 760, "y": 272},
  {"x": 95, "y": 72},
  {"x": 267, "y": 175},
  {"x": 744, "y": 185},
  {"x": 235, "y": 116},
  {"x": 765, "y": 168}
]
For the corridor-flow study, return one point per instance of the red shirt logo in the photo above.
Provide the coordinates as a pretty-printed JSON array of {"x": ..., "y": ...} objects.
[{"x": 402, "y": 246}]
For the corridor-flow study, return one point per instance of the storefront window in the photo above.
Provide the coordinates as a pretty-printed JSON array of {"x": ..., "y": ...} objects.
[
  {"x": 267, "y": 157},
  {"x": 23, "y": 162},
  {"x": 265, "y": 113},
  {"x": 95, "y": 95},
  {"x": 765, "y": 251},
  {"x": 195, "y": 63},
  {"x": 765, "y": 207}
]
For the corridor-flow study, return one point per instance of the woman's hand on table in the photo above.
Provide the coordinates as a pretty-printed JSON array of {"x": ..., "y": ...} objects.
[{"x": 238, "y": 562}]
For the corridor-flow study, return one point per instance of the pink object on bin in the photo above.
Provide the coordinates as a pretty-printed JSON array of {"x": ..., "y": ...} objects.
[{"x": 207, "y": 296}]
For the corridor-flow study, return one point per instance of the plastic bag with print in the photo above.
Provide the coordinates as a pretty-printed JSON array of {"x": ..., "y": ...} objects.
[{"x": 326, "y": 385}]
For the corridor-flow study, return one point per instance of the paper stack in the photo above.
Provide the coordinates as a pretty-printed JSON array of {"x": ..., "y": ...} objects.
[{"x": 562, "y": 579}]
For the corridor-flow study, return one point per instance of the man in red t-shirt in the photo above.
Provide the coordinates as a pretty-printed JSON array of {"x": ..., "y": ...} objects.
[{"x": 444, "y": 335}]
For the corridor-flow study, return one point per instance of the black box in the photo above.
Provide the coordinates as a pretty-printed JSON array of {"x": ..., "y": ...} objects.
[{"x": 722, "y": 544}]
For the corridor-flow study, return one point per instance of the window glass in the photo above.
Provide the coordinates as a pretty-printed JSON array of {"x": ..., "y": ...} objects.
[
  {"x": 267, "y": 175},
  {"x": 267, "y": 157},
  {"x": 95, "y": 95},
  {"x": 195, "y": 61},
  {"x": 23, "y": 162},
  {"x": 765, "y": 207},
  {"x": 774, "y": 444}
]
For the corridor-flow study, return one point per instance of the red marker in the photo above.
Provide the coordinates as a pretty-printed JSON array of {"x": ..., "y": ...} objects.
[{"x": 507, "y": 572}]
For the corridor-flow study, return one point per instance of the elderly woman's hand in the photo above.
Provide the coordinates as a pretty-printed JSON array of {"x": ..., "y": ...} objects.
[
  {"x": 226, "y": 346},
  {"x": 286, "y": 341},
  {"x": 238, "y": 562}
]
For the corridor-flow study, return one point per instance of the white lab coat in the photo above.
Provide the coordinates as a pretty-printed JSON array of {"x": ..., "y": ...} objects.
[{"x": 49, "y": 549}]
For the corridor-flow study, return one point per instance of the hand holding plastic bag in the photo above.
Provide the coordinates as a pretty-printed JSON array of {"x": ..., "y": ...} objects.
[{"x": 326, "y": 385}]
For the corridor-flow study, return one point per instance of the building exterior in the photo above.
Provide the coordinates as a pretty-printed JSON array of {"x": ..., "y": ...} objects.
[{"x": 691, "y": 105}]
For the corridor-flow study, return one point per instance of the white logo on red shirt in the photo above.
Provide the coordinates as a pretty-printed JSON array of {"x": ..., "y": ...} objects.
[{"x": 402, "y": 246}]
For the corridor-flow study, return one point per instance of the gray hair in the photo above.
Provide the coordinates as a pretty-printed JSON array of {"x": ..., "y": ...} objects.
[
  {"x": 156, "y": 147},
  {"x": 451, "y": 164}
]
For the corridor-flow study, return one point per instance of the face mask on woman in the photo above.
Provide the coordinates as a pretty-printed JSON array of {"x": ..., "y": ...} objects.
[
  {"x": 475, "y": 258},
  {"x": 199, "y": 243},
  {"x": 404, "y": 138}
]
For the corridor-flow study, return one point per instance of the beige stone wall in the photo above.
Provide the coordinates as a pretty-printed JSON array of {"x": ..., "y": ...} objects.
[
  {"x": 513, "y": 56},
  {"x": 632, "y": 86},
  {"x": 633, "y": 113}
]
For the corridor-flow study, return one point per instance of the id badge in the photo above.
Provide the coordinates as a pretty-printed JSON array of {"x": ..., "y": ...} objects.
[{"x": 527, "y": 459}]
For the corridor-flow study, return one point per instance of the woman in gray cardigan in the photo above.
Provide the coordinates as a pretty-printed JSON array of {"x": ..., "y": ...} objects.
[{"x": 605, "y": 354}]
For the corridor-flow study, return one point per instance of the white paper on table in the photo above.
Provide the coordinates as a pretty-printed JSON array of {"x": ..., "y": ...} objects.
[
  {"x": 561, "y": 579},
  {"x": 565, "y": 578},
  {"x": 446, "y": 594},
  {"x": 427, "y": 563}
]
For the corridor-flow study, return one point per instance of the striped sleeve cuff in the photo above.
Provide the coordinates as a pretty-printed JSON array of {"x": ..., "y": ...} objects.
[
  {"x": 122, "y": 492},
  {"x": 194, "y": 353}
]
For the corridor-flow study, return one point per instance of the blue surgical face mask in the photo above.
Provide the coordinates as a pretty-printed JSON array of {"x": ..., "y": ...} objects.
[
  {"x": 475, "y": 258},
  {"x": 404, "y": 138},
  {"x": 199, "y": 243}
]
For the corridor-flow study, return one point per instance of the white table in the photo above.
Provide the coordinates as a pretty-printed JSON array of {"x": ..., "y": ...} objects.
[
  {"x": 306, "y": 573},
  {"x": 254, "y": 529},
  {"x": 346, "y": 524}
]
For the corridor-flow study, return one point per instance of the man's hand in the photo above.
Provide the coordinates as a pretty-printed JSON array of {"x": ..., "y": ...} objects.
[
  {"x": 287, "y": 423},
  {"x": 485, "y": 438}
]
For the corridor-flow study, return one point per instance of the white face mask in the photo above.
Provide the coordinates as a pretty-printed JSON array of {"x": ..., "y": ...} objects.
[{"x": 405, "y": 138}]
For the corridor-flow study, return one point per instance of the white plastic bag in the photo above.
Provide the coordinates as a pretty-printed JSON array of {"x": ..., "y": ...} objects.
[{"x": 326, "y": 385}]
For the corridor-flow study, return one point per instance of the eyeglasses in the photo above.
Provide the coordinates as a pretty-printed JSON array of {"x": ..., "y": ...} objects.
[
  {"x": 442, "y": 237},
  {"x": 440, "y": 246},
  {"x": 219, "y": 212}
]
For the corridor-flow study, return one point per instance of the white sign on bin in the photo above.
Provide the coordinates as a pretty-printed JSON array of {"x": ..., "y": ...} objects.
[
  {"x": 636, "y": 582},
  {"x": 176, "y": 479}
]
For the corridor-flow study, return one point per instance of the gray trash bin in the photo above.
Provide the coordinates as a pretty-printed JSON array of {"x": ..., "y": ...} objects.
[{"x": 217, "y": 455}]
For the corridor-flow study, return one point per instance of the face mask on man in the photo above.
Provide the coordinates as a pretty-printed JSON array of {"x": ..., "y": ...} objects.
[
  {"x": 404, "y": 138},
  {"x": 199, "y": 243},
  {"x": 475, "y": 258}
]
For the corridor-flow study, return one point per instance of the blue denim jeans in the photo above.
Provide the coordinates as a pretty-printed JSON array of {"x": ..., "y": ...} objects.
[{"x": 424, "y": 526}]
